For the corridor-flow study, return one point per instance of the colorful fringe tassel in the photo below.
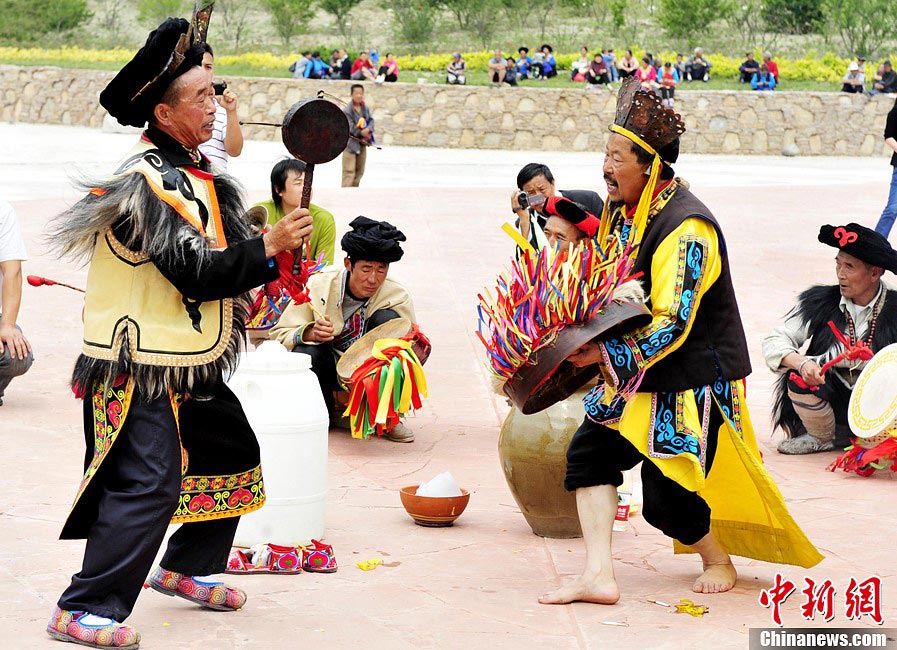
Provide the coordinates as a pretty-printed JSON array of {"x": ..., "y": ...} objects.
[
  {"x": 277, "y": 295},
  {"x": 386, "y": 386},
  {"x": 865, "y": 461},
  {"x": 543, "y": 292}
]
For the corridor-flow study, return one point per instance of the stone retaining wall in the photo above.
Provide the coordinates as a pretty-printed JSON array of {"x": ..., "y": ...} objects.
[{"x": 574, "y": 119}]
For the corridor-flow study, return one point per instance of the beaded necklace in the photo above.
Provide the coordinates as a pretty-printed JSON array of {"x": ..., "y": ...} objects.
[{"x": 851, "y": 328}]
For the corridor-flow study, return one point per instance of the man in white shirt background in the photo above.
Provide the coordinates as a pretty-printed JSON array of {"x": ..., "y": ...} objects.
[
  {"x": 15, "y": 351},
  {"x": 227, "y": 137}
]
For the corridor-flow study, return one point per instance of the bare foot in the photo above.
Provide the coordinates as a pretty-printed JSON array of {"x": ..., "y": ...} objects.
[
  {"x": 599, "y": 590},
  {"x": 716, "y": 579}
]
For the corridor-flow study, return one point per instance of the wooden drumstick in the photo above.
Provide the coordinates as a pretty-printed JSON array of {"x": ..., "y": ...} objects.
[{"x": 304, "y": 203}]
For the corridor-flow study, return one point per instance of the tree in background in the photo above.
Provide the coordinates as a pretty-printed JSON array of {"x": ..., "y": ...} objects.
[
  {"x": 483, "y": 20},
  {"x": 151, "y": 13},
  {"x": 747, "y": 19},
  {"x": 340, "y": 9},
  {"x": 25, "y": 20},
  {"x": 109, "y": 16},
  {"x": 232, "y": 16},
  {"x": 289, "y": 17},
  {"x": 688, "y": 19},
  {"x": 862, "y": 25},
  {"x": 793, "y": 16},
  {"x": 415, "y": 20},
  {"x": 460, "y": 9}
]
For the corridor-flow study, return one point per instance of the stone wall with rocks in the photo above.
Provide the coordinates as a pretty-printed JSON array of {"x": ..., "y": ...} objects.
[{"x": 574, "y": 119}]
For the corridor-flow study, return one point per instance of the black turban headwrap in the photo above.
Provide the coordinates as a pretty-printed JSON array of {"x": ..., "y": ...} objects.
[
  {"x": 862, "y": 243},
  {"x": 120, "y": 97},
  {"x": 375, "y": 241}
]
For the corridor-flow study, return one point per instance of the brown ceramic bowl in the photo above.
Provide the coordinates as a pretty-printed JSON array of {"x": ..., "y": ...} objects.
[{"x": 433, "y": 511}]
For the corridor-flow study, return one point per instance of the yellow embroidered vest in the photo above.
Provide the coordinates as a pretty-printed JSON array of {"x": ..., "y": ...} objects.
[{"x": 127, "y": 293}]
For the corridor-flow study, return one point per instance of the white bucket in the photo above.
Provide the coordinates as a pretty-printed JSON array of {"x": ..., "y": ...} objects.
[{"x": 284, "y": 405}]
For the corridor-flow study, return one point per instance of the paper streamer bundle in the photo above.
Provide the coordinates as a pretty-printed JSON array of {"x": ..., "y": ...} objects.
[
  {"x": 542, "y": 293},
  {"x": 386, "y": 386},
  {"x": 865, "y": 461}
]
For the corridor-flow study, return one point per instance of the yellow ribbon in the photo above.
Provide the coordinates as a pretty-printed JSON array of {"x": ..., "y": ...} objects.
[{"x": 518, "y": 238}]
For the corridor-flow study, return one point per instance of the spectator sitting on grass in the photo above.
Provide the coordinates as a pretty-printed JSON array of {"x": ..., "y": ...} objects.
[
  {"x": 389, "y": 71},
  {"x": 772, "y": 65},
  {"x": 334, "y": 59},
  {"x": 763, "y": 80},
  {"x": 861, "y": 63},
  {"x": 680, "y": 66},
  {"x": 298, "y": 67},
  {"x": 748, "y": 69},
  {"x": 669, "y": 79},
  {"x": 317, "y": 68},
  {"x": 854, "y": 80},
  {"x": 362, "y": 68},
  {"x": 628, "y": 65},
  {"x": 342, "y": 69},
  {"x": 456, "y": 74},
  {"x": 536, "y": 70},
  {"x": 597, "y": 72},
  {"x": 581, "y": 65},
  {"x": 511, "y": 71},
  {"x": 374, "y": 57},
  {"x": 497, "y": 68},
  {"x": 610, "y": 62},
  {"x": 888, "y": 82},
  {"x": 524, "y": 63},
  {"x": 697, "y": 68},
  {"x": 549, "y": 65},
  {"x": 647, "y": 74}
]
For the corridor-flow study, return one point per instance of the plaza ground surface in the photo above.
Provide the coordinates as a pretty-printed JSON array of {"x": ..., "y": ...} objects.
[{"x": 474, "y": 585}]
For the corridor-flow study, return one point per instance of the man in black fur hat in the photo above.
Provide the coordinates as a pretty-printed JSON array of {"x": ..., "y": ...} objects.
[
  {"x": 811, "y": 407},
  {"x": 354, "y": 298},
  {"x": 171, "y": 260}
]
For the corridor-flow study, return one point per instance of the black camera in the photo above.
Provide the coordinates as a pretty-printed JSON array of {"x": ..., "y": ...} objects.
[
  {"x": 530, "y": 200},
  {"x": 219, "y": 88}
]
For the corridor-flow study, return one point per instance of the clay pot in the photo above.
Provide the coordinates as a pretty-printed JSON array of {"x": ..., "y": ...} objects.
[
  {"x": 434, "y": 512},
  {"x": 532, "y": 450}
]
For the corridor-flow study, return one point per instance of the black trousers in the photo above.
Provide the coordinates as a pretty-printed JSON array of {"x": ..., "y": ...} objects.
[
  {"x": 597, "y": 455},
  {"x": 140, "y": 483},
  {"x": 323, "y": 358}
]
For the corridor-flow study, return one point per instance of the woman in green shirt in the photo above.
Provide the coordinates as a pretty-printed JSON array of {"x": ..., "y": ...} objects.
[{"x": 287, "y": 177}]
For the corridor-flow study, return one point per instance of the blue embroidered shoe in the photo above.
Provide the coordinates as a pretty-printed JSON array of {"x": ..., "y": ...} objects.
[{"x": 86, "y": 629}]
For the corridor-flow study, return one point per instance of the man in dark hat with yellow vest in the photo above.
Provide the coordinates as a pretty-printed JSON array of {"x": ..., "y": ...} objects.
[
  {"x": 687, "y": 423},
  {"x": 171, "y": 261},
  {"x": 811, "y": 407}
]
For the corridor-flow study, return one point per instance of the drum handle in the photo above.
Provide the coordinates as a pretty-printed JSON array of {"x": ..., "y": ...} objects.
[{"x": 304, "y": 203}]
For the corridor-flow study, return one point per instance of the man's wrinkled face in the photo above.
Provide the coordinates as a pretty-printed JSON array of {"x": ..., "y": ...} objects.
[
  {"x": 540, "y": 188},
  {"x": 561, "y": 232},
  {"x": 292, "y": 188},
  {"x": 624, "y": 175},
  {"x": 190, "y": 116},
  {"x": 366, "y": 277},
  {"x": 856, "y": 278}
]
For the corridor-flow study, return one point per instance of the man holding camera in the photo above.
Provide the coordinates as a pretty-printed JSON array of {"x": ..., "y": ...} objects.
[
  {"x": 227, "y": 138},
  {"x": 535, "y": 184}
]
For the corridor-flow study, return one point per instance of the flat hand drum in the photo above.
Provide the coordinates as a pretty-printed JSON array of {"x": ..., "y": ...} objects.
[
  {"x": 315, "y": 130},
  {"x": 872, "y": 411},
  {"x": 548, "y": 378},
  {"x": 363, "y": 348}
]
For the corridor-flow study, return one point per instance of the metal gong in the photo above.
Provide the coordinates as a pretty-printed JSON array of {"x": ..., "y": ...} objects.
[{"x": 315, "y": 130}]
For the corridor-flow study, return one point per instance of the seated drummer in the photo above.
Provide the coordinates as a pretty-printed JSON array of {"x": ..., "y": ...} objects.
[
  {"x": 287, "y": 178},
  {"x": 862, "y": 307},
  {"x": 353, "y": 299}
]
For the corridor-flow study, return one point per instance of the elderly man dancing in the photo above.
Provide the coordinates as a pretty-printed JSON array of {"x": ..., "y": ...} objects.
[
  {"x": 170, "y": 262},
  {"x": 688, "y": 425}
]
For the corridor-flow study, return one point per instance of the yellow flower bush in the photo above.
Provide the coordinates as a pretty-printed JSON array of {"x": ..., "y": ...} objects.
[{"x": 828, "y": 67}]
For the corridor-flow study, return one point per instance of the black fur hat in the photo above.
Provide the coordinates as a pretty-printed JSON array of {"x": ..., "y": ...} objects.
[{"x": 863, "y": 243}]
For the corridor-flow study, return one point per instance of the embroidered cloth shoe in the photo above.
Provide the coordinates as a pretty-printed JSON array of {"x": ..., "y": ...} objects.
[
  {"x": 318, "y": 558},
  {"x": 265, "y": 558},
  {"x": 86, "y": 629},
  {"x": 203, "y": 591},
  {"x": 400, "y": 433},
  {"x": 804, "y": 444}
]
